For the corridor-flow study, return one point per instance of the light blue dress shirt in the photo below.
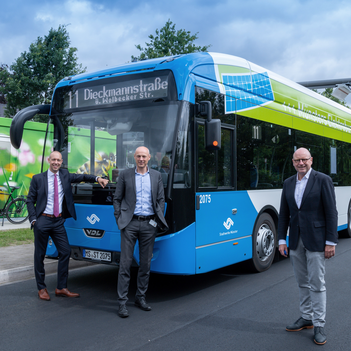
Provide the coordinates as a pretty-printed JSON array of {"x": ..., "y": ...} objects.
[{"x": 143, "y": 205}]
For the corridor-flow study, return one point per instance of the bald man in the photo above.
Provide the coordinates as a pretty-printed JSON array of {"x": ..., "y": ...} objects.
[
  {"x": 139, "y": 206},
  {"x": 49, "y": 203}
]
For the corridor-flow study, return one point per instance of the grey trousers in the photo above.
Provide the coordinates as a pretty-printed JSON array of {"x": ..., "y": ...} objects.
[
  {"x": 145, "y": 233},
  {"x": 309, "y": 269}
]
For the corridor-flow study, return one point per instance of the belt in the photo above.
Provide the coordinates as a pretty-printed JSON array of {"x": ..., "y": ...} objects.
[
  {"x": 143, "y": 218},
  {"x": 51, "y": 216}
]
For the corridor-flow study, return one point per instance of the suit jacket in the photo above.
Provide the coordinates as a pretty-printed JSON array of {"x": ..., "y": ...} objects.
[
  {"x": 124, "y": 200},
  {"x": 38, "y": 193},
  {"x": 316, "y": 220}
]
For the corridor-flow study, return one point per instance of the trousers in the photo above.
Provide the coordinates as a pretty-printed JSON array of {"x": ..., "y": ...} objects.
[
  {"x": 145, "y": 233},
  {"x": 53, "y": 227},
  {"x": 309, "y": 269}
]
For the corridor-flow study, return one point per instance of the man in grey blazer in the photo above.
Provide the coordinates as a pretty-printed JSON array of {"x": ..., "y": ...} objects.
[
  {"x": 308, "y": 209},
  {"x": 139, "y": 206}
]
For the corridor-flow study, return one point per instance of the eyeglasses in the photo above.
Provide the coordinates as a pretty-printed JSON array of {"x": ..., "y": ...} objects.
[{"x": 303, "y": 160}]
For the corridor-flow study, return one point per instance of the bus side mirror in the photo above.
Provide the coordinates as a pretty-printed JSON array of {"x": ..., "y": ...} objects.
[
  {"x": 21, "y": 117},
  {"x": 212, "y": 126},
  {"x": 213, "y": 135}
]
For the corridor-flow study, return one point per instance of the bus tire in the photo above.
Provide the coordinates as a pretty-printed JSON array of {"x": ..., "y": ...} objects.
[{"x": 264, "y": 243}]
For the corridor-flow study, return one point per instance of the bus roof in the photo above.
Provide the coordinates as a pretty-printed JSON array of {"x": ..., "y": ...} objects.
[
  {"x": 187, "y": 63},
  {"x": 252, "y": 85}
]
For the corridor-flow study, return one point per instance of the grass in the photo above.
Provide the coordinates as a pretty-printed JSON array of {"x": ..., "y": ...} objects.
[{"x": 16, "y": 237}]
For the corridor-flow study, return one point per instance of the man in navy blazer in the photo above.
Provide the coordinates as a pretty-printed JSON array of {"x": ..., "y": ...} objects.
[
  {"x": 40, "y": 204},
  {"x": 308, "y": 209},
  {"x": 139, "y": 206}
]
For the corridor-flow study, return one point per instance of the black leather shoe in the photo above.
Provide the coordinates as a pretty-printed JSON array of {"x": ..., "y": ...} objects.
[
  {"x": 141, "y": 303},
  {"x": 300, "y": 324},
  {"x": 122, "y": 311},
  {"x": 319, "y": 337}
]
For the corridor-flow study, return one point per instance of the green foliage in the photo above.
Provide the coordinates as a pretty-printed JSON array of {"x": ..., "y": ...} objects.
[
  {"x": 33, "y": 76},
  {"x": 328, "y": 93},
  {"x": 168, "y": 42},
  {"x": 3, "y": 77}
]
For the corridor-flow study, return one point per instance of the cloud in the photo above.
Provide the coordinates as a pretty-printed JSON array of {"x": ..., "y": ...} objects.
[
  {"x": 104, "y": 35},
  {"x": 301, "y": 40}
]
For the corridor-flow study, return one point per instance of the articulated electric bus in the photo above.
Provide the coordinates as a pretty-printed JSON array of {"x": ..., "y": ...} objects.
[{"x": 222, "y": 129}]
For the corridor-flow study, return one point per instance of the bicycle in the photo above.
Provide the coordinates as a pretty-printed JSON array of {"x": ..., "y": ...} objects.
[{"x": 15, "y": 210}]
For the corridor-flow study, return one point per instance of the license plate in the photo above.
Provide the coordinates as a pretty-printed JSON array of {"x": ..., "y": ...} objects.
[{"x": 97, "y": 255}]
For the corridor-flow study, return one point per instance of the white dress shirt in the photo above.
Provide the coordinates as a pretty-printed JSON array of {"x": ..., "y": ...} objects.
[{"x": 49, "y": 209}]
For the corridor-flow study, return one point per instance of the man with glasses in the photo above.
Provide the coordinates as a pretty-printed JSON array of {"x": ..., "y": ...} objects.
[{"x": 308, "y": 209}]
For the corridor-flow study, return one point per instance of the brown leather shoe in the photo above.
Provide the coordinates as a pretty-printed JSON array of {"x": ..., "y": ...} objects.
[
  {"x": 44, "y": 295},
  {"x": 65, "y": 293}
]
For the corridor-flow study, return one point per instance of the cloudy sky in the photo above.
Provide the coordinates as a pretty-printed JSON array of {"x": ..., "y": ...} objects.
[{"x": 299, "y": 39}]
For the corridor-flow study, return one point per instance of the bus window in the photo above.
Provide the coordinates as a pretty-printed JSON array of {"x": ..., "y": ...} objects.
[
  {"x": 264, "y": 154},
  {"x": 215, "y": 169}
]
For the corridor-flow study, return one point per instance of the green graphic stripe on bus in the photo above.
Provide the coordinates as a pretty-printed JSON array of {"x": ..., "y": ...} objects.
[
  {"x": 246, "y": 91},
  {"x": 301, "y": 111},
  {"x": 305, "y": 122},
  {"x": 299, "y": 104}
]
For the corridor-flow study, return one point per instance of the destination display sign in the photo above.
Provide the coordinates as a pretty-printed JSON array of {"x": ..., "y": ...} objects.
[{"x": 116, "y": 92}]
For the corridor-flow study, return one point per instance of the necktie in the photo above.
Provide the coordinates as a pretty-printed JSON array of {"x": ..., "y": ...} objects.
[{"x": 56, "y": 198}]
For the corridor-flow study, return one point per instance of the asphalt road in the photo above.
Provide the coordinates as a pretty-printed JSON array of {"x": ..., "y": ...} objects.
[{"x": 228, "y": 309}]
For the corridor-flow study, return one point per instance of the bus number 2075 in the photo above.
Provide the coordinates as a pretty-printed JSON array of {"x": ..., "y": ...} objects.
[{"x": 205, "y": 199}]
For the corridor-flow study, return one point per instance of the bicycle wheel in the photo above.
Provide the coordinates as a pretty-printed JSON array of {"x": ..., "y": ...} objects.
[{"x": 16, "y": 211}]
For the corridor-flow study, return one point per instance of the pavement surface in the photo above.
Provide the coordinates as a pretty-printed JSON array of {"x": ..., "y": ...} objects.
[
  {"x": 17, "y": 262},
  {"x": 229, "y": 309}
]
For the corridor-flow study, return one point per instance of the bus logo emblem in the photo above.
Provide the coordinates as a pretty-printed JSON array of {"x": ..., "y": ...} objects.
[
  {"x": 228, "y": 223},
  {"x": 93, "y": 219},
  {"x": 94, "y": 233}
]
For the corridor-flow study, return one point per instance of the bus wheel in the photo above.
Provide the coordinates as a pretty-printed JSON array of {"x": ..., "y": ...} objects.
[{"x": 264, "y": 243}]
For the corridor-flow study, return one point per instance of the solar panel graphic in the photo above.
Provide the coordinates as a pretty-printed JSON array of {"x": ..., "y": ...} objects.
[{"x": 244, "y": 91}]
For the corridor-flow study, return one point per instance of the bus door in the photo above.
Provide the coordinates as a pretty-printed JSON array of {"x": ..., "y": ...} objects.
[{"x": 218, "y": 222}]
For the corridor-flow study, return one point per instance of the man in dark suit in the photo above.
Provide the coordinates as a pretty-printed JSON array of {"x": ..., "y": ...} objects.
[
  {"x": 49, "y": 203},
  {"x": 139, "y": 205},
  {"x": 308, "y": 209}
]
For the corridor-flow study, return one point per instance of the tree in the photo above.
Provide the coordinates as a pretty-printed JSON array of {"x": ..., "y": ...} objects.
[
  {"x": 328, "y": 93},
  {"x": 169, "y": 41},
  {"x": 3, "y": 77},
  {"x": 33, "y": 76}
]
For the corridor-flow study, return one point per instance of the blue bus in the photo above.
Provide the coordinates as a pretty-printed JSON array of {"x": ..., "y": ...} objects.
[{"x": 221, "y": 130}]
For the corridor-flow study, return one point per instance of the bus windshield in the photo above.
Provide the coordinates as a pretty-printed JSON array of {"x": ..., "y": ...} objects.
[{"x": 103, "y": 141}]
